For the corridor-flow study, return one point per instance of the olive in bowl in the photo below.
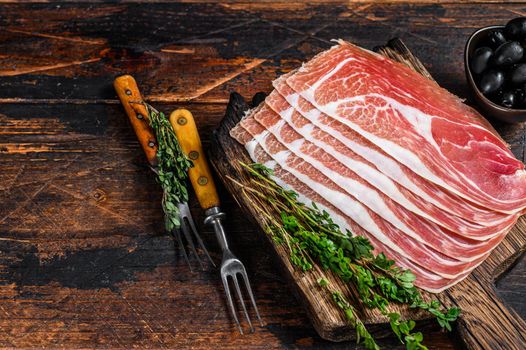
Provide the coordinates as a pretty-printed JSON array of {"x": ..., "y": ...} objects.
[{"x": 495, "y": 64}]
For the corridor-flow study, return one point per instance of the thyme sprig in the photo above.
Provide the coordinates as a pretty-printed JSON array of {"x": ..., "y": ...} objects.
[
  {"x": 312, "y": 237},
  {"x": 362, "y": 334},
  {"x": 172, "y": 168}
]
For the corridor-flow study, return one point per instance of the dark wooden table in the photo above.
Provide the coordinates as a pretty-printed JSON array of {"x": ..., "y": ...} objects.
[{"x": 83, "y": 257}]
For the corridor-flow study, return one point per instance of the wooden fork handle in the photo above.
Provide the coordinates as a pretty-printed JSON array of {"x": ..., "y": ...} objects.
[
  {"x": 200, "y": 175},
  {"x": 133, "y": 104}
]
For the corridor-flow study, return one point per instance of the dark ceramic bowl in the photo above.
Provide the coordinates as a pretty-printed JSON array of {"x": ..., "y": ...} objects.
[{"x": 492, "y": 109}]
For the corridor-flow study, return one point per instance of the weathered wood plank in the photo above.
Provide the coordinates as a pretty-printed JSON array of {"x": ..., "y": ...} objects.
[
  {"x": 194, "y": 58},
  {"x": 79, "y": 220}
]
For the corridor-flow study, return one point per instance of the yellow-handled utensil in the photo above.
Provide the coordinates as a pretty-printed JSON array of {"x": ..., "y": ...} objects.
[
  {"x": 201, "y": 178},
  {"x": 200, "y": 175},
  {"x": 131, "y": 99}
]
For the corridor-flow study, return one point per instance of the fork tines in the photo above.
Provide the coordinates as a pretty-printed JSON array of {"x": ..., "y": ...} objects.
[
  {"x": 231, "y": 267},
  {"x": 189, "y": 231}
]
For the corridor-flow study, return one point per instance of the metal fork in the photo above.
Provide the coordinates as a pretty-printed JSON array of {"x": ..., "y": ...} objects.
[
  {"x": 188, "y": 228},
  {"x": 132, "y": 101},
  {"x": 203, "y": 183},
  {"x": 231, "y": 267}
]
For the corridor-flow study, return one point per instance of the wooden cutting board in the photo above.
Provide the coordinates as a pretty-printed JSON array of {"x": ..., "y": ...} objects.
[{"x": 485, "y": 322}]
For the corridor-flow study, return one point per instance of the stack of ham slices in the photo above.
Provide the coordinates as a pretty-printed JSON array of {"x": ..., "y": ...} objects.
[{"x": 392, "y": 157}]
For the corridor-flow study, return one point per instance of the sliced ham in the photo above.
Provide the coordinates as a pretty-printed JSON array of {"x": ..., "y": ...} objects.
[
  {"x": 441, "y": 264},
  {"x": 286, "y": 139},
  {"x": 425, "y": 278},
  {"x": 392, "y": 157},
  {"x": 427, "y": 191},
  {"x": 419, "y": 124},
  {"x": 286, "y": 121}
]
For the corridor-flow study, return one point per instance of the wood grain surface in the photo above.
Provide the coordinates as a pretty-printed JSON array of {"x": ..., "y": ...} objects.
[{"x": 84, "y": 262}]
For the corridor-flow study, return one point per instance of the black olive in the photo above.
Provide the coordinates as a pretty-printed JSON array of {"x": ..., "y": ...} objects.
[
  {"x": 520, "y": 97},
  {"x": 491, "y": 81},
  {"x": 495, "y": 96},
  {"x": 496, "y": 38},
  {"x": 518, "y": 74},
  {"x": 480, "y": 59},
  {"x": 508, "y": 99},
  {"x": 516, "y": 28},
  {"x": 508, "y": 53}
]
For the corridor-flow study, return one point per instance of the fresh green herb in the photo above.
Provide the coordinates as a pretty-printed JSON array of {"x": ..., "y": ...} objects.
[
  {"x": 362, "y": 334},
  {"x": 172, "y": 168},
  {"x": 444, "y": 319},
  {"x": 312, "y": 237},
  {"x": 403, "y": 329}
]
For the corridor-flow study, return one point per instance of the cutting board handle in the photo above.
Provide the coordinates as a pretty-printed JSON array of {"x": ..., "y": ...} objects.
[{"x": 486, "y": 322}]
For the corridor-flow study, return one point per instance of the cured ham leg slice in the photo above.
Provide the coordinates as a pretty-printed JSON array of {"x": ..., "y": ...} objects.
[
  {"x": 429, "y": 192},
  {"x": 421, "y": 125},
  {"x": 290, "y": 126}
]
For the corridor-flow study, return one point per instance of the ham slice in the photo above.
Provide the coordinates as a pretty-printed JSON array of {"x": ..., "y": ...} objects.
[
  {"x": 351, "y": 184},
  {"x": 286, "y": 121},
  {"x": 419, "y": 124},
  {"x": 427, "y": 191},
  {"x": 392, "y": 157}
]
